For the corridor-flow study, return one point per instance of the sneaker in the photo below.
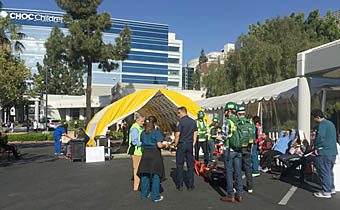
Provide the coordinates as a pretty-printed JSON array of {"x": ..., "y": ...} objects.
[
  {"x": 276, "y": 176},
  {"x": 179, "y": 188},
  {"x": 322, "y": 195},
  {"x": 265, "y": 170},
  {"x": 333, "y": 192},
  {"x": 255, "y": 175},
  {"x": 250, "y": 191},
  {"x": 160, "y": 199}
]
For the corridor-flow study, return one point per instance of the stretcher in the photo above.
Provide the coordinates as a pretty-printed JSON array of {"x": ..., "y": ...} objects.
[{"x": 211, "y": 171}]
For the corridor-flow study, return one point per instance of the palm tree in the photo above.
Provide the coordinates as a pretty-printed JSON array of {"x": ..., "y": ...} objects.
[{"x": 10, "y": 32}]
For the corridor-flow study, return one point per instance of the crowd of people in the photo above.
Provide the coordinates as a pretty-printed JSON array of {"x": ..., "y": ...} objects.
[{"x": 245, "y": 147}]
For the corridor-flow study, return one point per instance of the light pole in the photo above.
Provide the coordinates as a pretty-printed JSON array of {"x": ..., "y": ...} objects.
[{"x": 46, "y": 92}]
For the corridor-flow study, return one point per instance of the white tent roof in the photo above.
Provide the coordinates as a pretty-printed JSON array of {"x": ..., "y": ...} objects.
[{"x": 283, "y": 89}]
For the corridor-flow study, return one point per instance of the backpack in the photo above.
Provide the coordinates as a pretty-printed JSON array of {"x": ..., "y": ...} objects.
[{"x": 243, "y": 135}]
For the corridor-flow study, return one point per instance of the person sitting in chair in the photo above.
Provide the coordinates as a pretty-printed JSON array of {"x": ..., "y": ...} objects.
[{"x": 4, "y": 146}]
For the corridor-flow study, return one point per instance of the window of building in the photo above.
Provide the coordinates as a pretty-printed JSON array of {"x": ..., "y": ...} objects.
[
  {"x": 173, "y": 49},
  {"x": 173, "y": 72},
  {"x": 74, "y": 114},
  {"x": 173, "y": 60},
  {"x": 175, "y": 84}
]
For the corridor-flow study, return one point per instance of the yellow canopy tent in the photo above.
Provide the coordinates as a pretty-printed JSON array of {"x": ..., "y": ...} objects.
[{"x": 160, "y": 103}]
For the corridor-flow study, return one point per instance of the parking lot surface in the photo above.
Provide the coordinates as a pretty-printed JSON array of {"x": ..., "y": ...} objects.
[{"x": 41, "y": 180}]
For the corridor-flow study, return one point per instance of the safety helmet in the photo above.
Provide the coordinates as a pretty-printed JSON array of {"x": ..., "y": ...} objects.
[
  {"x": 241, "y": 109},
  {"x": 230, "y": 106},
  {"x": 200, "y": 114},
  {"x": 215, "y": 119}
]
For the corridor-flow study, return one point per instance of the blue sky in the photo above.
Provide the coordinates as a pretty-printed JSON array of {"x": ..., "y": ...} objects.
[{"x": 200, "y": 24}]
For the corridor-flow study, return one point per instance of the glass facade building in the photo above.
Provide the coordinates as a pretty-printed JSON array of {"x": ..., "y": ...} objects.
[
  {"x": 187, "y": 73},
  {"x": 152, "y": 60}
]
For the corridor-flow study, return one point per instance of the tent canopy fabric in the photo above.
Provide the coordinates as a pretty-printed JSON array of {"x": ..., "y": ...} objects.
[
  {"x": 160, "y": 103},
  {"x": 283, "y": 89}
]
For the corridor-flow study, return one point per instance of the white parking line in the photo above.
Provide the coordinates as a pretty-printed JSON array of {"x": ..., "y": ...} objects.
[{"x": 288, "y": 195}]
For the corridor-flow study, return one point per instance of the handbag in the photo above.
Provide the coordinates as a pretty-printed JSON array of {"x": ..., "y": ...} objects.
[{"x": 131, "y": 150}]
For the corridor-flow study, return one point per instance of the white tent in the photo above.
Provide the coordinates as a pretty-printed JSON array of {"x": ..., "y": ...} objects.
[{"x": 283, "y": 89}]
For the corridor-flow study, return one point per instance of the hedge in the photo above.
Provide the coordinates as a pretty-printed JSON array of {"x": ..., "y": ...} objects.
[
  {"x": 30, "y": 137},
  {"x": 119, "y": 135}
]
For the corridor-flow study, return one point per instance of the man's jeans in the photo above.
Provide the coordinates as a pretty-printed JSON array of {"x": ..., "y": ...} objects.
[
  {"x": 234, "y": 162},
  {"x": 204, "y": 146},
  {"x": 324, "y": 166},
  {"x": 255, "y": 159},
  {"x": 211, "y": 149},
  {"x": 246, "y": 165}
]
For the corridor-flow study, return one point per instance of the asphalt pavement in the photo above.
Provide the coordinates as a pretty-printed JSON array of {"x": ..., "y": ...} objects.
[{"x": 40, "y": 180}]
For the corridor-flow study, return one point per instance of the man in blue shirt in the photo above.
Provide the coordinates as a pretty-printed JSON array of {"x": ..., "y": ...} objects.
[
  {"x": 57, "y": 134},
  {"x": 326, "y": 150},
  {"x": 280, "y": 148}
]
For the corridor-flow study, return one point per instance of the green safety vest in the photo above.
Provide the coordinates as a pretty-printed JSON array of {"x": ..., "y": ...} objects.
[
  {"x": 201, "y": 130},
  {"x": 138, "y": 149},
  {"x": 231, "y": 127},
  {"x": 210, "y": 130}
]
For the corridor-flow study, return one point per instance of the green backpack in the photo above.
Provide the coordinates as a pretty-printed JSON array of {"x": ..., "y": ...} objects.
[{"x": 243, "y": 135}]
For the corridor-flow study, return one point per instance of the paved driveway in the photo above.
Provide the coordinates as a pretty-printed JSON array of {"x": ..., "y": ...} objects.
[{"x": 42, "y": 181}]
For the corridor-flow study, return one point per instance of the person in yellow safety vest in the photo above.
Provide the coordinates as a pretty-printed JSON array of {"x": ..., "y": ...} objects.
[
  {"x": 212, "y": 136},
  {"x": 203, "y": 132},
  {"x": 135, "y": 147}
]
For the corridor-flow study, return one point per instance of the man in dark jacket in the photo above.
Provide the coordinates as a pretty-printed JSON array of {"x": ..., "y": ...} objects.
[
  {"x": 326, "y": 150},
  {"x": 185, "y": 140}
]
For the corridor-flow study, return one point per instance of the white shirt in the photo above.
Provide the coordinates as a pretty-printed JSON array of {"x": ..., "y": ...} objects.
[{"x": 35, "y": 125}]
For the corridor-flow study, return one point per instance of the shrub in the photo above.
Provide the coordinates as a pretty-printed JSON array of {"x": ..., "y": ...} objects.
[
  {"x": 30, "y": 137},
  {"x": 119, "y": 135}
]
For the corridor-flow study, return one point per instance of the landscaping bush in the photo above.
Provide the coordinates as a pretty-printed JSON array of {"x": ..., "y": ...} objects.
[
  {"x": 30, "y": 137},
  {"x": 119, "y": 135}
]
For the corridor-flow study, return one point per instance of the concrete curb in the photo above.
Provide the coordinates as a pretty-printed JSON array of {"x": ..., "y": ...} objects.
[{"x": 124, "y": 155}]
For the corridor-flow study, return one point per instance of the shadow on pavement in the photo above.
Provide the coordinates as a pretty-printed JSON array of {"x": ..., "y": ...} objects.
[
  {"x": 27, "y": 157},
  {"x": 311, "y": 183},
  {"x": 173, "y": 175},
  {"x": 34, "y": 145}
]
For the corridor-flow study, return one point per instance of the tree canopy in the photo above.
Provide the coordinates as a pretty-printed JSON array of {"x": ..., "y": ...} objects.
[
  {"x": 84, "y": 44},
  {"x": 268, "y": 52},
  {"x": 10, "y": 35},
  {"x": 64, "y": 77}
]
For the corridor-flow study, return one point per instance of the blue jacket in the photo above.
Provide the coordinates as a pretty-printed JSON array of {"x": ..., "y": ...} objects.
[
  {"x": 325, "y": 141},
  {"x": 283, "y": 143}
]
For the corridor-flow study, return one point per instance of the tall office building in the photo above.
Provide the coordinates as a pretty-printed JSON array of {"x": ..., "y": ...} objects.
[
  {"x": 186, "y": 78},
  {"x": 155, "y": 59}
]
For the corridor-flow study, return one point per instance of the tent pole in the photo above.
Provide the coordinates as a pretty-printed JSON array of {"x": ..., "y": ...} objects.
[
  {"x": 304, "y": 106},
  {"x": 324, "y": 98},
  {"x": 261, "y": 115}
]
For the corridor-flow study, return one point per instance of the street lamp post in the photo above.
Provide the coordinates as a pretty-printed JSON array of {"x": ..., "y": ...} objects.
[{"x": 46, "y": 98}]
